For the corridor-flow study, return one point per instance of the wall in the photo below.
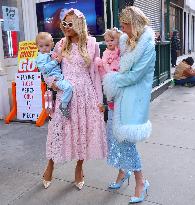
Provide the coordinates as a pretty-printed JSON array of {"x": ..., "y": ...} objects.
[{"x": 189, "y": 26}]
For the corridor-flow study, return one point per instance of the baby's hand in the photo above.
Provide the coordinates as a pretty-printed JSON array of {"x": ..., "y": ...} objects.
[{"x": 101, "y": 107}]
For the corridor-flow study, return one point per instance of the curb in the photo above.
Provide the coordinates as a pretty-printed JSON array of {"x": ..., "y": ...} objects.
[{"x": 156, "y": 91}]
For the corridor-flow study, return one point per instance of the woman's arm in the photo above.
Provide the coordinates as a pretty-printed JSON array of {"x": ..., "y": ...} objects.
[
  {"x": 137, "y": 72},
  {"x": 95, "y": 76},
  {"x": 112, "y": 82},
  {"x": 99, "y": 66}
]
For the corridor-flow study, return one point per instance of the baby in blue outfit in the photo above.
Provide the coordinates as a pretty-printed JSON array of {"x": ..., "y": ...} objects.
[{"x": 51, "y": 70}]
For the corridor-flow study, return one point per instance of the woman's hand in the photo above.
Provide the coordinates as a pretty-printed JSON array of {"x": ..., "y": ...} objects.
[
  {"x": 101, "y": 107},
  {"x": 56, "y": 57},
  {"x": 54, "y": 86}
]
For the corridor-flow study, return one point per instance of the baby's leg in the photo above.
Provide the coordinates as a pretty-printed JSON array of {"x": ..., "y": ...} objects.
[{"x": 66, "y": 87}]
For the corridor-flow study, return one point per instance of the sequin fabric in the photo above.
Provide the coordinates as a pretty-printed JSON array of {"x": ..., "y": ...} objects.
[
  {"x": 82, "y": 136},
  {"x": 121, "y": 155}
]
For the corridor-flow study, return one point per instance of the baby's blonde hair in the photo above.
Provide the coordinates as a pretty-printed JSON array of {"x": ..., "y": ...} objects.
[
  {"x": 137, "y": 19},
  {"x": 80, "y": 27},
  {"x": 44, "y": 36},
  {"x": 113, "y": 33}
]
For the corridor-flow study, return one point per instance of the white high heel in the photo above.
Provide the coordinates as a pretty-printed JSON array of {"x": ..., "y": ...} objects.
[
  {"x": 80, "y": 185},
  {"x": 46, "y": 184}
]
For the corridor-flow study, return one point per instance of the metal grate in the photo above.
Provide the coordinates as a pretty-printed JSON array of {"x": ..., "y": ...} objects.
[{"x": 152, "y": 9}]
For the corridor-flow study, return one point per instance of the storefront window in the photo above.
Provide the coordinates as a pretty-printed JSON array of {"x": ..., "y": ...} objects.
[
  {"x": 12, "y": 26},
  {"x": 48, "y": 15}
]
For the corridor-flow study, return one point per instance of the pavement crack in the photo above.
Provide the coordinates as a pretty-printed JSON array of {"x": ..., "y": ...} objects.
[
  {"x": 67, "y": 181},
  {"x": 173, "y": 117},
  {"x": 169, "y": 145}
]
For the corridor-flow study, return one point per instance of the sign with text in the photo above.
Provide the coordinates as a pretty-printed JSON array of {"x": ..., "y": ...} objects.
[
  {"x": 28, "y": 95},
  {"x": 28, "y": 83},
  {"x": 26, "y": 56},
  {"x": 11, "y": 18}
]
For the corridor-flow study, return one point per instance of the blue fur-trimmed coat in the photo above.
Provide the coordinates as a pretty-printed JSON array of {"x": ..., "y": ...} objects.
[{"x": 131, "y": 88}]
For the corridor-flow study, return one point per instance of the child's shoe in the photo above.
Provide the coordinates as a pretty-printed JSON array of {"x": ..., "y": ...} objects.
[
  {"x": 46, "y": 100},
  {"x": 50, "y": 101},
  {"x": 189, "y": 85},
  {"x": 48, "y": 96},
  {"x": 65, "y": 111}
]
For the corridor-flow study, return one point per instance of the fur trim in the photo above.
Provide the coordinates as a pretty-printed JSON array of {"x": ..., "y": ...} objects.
[
  {"x": 128, "y": 56},
  {"x": 130, "y": 132},
  {"x": 110, "y": 87}
]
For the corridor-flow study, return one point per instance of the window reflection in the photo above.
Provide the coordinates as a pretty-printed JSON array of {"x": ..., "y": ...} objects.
[{"x": 11, "y": 38}]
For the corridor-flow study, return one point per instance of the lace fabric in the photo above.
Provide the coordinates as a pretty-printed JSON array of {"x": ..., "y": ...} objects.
[{"x": 82, "y": 136}]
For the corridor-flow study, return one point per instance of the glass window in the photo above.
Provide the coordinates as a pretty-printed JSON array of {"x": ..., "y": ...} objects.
[
  {"x": 48, "y": 15},
  {"x": 12, "y": 26}
]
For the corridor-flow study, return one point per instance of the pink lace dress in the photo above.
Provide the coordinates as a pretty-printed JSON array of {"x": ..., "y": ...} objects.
[{"x": 82, "y": 137}]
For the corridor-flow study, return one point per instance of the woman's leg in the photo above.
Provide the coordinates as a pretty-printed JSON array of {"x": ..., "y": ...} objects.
[
  {"x": 79, "y": 171},
  {"x": 139, "y": 179},
  {"x": 47, "y": 176},
  {"x": 121, "y": 175}
]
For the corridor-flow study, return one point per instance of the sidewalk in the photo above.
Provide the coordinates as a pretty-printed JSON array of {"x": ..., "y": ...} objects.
[
  {"x": 167, "y": 157},
  {"x": 158, "y": 90}
]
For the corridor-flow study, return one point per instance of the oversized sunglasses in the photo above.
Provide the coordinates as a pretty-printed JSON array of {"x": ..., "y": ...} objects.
[{"x": 67, "y": 24}]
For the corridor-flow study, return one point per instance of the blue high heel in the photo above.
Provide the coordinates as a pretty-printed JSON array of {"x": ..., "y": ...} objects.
[
  {"x": 118, "y": 185},
  {"x": 134, "y": 199}
]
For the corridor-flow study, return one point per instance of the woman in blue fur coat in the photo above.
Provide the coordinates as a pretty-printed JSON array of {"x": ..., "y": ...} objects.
[{"x": 131, "y": 90}]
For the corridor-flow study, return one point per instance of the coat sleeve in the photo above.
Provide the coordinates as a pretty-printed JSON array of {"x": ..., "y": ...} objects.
[
  {"x": 114, "y": 81},
  {"x": 95, "y": 76},
  {"x": 136, "y": 73}
]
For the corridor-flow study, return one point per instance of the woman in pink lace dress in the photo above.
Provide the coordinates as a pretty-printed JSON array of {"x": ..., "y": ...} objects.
[{"x": 82, "y": 136}]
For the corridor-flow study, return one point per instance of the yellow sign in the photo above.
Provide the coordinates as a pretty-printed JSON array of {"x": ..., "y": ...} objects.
[{"x": 26, "y": 56}]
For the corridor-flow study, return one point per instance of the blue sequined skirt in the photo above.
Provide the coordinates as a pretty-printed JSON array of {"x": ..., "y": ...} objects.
[{"x": 121, "y": 155}]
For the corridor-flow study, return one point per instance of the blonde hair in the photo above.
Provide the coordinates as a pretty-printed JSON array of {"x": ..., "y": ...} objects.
[
  {"x": 113, "y": 33},
  {"x": 80, "y": 27},
  {"x": 44, "y": 36},
  {"x": 137, "y": 19}
]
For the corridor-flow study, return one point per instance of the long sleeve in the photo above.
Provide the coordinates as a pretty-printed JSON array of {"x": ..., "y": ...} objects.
[
  {"x": 136, "y": 73},
  {"x": 95, "y": 76},
  {"x": 114, "y": 81},
  {"x": 99, "y": 66},
  {"x": 58, "y": 47},
  {"x": 45, "y": 64}
]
